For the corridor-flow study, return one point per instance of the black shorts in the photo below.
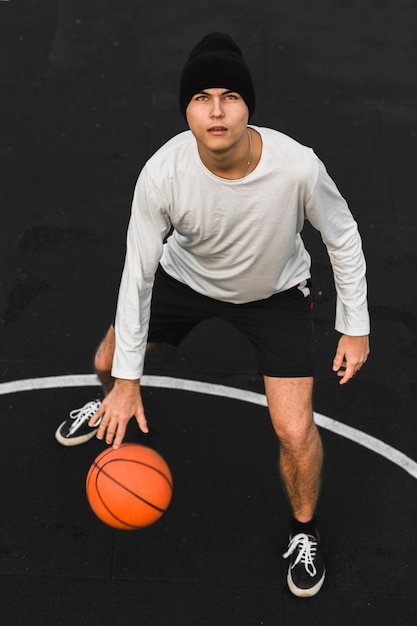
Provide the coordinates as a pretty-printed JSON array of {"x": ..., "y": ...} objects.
[{"x": 280, "y": 328}]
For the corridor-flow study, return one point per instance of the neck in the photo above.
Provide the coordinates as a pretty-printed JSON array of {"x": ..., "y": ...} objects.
[{"x": 233, "y": 163}]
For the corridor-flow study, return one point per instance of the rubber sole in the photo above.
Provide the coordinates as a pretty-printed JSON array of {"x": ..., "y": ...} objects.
[
  {"x": 73, "y": 441},
  {"x": 304, "y": 593}
]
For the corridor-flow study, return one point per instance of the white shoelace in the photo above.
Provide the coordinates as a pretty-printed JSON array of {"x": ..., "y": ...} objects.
[
  {"x": 307, "y": 551},
  {"x": 84, "y": 414}
]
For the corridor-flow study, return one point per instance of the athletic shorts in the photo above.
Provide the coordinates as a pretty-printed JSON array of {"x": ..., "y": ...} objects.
[{"x": 280, "y": 328}]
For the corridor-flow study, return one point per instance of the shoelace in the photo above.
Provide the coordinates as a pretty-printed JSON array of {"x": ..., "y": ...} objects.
[
  {"x": 306, "y": 552},
  {"x": 84, "y": 414}
]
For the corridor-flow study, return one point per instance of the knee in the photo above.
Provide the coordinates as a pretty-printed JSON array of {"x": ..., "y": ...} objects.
[
  {"x": 103, "y": 358},
  {"x": 291, "y": 410},
  {"x": 295, "y": 436},
  {"x": 101, "y": 362}
]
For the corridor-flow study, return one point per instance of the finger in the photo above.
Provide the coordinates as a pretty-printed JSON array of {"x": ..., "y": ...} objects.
[
  {"x": 338, "y": 361},
  {"x": 111, "y": 431},
  {"x": 142, "y": 423},
  {"x": 118, "y": 439},
  {"x": 102, "y": 429},
  {"x": 347, "y": 374},
  {"x": 345, "y": 379},
  {"x": 342, "y": 367},
  {"x": 96, "y": 417}
]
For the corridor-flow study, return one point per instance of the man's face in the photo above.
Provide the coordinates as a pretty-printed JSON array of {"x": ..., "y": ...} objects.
[{"x": 217, "y": 118}]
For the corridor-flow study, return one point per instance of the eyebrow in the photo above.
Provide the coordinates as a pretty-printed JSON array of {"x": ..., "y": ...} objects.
[{"x": 222, "y": 94}]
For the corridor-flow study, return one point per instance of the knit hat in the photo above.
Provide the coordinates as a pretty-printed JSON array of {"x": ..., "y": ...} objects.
[{"x": 216, "y": 62}]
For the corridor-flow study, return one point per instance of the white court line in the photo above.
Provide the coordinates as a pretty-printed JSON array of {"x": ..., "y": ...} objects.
[{"x": 196, "y": 386}]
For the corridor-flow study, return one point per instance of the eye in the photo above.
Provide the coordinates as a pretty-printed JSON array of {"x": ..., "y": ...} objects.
[
  {"x": 232, "y": 96},
  {"x": 201, "y": 98}
]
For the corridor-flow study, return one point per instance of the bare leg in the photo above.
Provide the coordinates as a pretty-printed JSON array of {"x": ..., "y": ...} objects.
[
  {"x": 301, "y": 453},
  {"x": 103, "y": 361}
]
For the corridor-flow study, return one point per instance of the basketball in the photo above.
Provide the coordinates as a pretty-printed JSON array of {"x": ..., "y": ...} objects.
[{"x": 130, "y": 487}]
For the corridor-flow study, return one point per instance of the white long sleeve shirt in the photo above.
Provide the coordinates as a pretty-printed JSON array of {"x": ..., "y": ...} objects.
[{"x": 234, "y": 240}]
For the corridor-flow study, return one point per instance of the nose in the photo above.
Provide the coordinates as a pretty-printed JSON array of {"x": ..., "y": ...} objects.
[{"x": 217, "y": 111}]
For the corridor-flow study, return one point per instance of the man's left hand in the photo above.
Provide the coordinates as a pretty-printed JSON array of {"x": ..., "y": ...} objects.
[{"x": 352, "y": 352}]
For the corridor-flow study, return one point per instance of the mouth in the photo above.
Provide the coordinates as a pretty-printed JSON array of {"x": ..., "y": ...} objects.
[{"x": 217, "y": 130}]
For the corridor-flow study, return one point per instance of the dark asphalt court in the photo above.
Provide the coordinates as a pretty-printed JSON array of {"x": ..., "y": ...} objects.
[{"x": 88, "y": 90}]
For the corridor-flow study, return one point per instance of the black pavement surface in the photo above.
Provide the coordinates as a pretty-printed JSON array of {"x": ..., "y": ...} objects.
[{"x": 88, "y": 90}]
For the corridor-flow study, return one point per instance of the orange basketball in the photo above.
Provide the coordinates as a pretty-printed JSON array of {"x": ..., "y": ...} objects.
[{"x": 130, "y": 487}]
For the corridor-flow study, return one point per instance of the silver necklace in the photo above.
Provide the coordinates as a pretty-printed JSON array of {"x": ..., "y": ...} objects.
[{"x": 250, "y": 154}]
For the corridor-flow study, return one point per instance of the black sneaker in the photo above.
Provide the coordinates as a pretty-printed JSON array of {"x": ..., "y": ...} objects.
[
  {"x": 306, "y": 571},
  {"x": 75, "y": 429}
]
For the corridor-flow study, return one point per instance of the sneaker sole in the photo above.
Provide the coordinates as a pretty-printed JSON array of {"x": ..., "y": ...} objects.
[
  {"x": 73, "y": 441},
  {"x": 304, "y": 593}
]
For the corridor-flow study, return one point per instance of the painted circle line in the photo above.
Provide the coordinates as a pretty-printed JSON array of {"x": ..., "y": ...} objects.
[{"x": 180, "y": 384}]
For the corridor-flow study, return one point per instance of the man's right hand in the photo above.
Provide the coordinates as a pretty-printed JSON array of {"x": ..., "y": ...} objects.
[{"x": 119, "y": 406}]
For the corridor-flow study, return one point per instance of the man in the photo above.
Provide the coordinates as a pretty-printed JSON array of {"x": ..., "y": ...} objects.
[{"x": 235, "y": 198}]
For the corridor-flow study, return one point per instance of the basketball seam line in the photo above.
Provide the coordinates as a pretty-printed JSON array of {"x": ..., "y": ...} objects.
[{"x": 136, "y": 495}]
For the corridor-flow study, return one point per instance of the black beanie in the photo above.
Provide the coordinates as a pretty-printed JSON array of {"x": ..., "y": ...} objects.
[{"x": 216, "y": 62}]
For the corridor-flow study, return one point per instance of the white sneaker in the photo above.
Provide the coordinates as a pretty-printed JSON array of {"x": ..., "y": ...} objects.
[
  {"x": 306, "y": 571},
  {"x": 75, "y": 429}
]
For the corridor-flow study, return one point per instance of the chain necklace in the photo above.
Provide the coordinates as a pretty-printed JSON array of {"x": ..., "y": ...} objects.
[
  {"x": 249, "y": 160},
  {"x": 250, "y": 154}
]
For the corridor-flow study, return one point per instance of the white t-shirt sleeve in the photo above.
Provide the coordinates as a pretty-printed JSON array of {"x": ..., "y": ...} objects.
[
  {"x": 327, "y": 211},
  {"x": 149, "y": 223}
]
